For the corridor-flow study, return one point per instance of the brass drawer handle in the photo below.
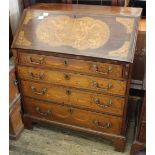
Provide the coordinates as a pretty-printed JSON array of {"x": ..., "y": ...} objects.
[
  {"x": 42, "y": 92},
  {"x": 68, "y": 92},
  {"x": 67, "y": 76},
  {"x": 106, "y": 105},
  {"x": 36, "y": 77},
  {"x": 38, "y": 61},
  {"x": 95, "y": 68},
  {"x": 47, "y": 113},
  {"x": 96, "y": 85},
  {"x": 104, "y": 126}
]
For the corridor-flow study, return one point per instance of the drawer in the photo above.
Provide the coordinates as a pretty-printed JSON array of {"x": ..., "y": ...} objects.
[
  {"x": 13, "y": 88},
  {"x": 73, "y": 116},
  {"x": 74, "y": 97},
  {"x": 103, "y": 69},
  {"x": 73, "y": 80}
]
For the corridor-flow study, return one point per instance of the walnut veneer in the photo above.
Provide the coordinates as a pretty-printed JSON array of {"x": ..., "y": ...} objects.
[{"x": 74, "y": 67}]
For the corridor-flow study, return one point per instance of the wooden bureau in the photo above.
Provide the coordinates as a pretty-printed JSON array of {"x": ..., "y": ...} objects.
[{"x": 74, "y": 67}]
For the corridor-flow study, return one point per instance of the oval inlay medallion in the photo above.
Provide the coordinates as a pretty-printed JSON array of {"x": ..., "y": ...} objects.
[{"x": 80, "y": 33}]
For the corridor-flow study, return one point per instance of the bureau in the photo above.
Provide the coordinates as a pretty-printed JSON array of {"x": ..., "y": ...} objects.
[{"x": 74, "y": 67}]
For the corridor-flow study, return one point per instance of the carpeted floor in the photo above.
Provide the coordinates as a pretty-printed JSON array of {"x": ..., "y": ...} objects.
[{"x": 50, "y": 140}]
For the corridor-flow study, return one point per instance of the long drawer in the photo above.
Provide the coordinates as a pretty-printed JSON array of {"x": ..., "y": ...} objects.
[
  {"x": 105, "y": 69},
  {"x": 73, "y": 116},
  {"x": 73, "y": 80},
  {"x": 74, "y": 97}
]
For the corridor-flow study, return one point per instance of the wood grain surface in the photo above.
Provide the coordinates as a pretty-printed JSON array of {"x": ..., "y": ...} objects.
[
  {"x": 79, "y": 32},
  {"x": 73, "y": 116},
  {"x": 87, "y": 100},
  {"x": 89, "y": 67},
  {"x": 73, "y": 80}
]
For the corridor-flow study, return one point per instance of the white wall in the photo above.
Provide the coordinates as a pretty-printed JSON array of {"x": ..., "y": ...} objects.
[{"x": 15, "y": 9}]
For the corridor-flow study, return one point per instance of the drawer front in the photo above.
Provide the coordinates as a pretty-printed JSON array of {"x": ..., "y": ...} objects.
[
  {"x": 73, "y": 116},
  {"x": 73, "y": 80},
  {"x": 97, "y": 102},
  {"x": 13, "y": 88},
  {"x": 104, "y": 69}
]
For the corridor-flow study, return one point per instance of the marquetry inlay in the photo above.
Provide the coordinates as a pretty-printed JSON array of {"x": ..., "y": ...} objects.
[
  {"x": 30, "y": 15},
  {"x": 122, "y": 51},
  {"x": 21, "y": 40},
  {"x": 127, "y": 22},
  {"x": 80, "y": 33}
]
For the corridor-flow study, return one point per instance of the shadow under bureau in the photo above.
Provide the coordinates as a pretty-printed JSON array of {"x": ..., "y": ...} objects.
[{"x": 74, "y": 66}]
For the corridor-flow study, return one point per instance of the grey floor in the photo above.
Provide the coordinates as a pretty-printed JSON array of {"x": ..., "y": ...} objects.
[{"x": 51, "y": 140}]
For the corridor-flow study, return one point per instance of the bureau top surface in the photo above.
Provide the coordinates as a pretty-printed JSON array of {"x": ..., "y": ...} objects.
[{"x": 94, "y": 31}]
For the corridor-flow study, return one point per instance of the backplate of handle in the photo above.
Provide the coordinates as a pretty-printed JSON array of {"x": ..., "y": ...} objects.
[
  {"x": 104, "y": 126},
  {"x": 103, "y": 105},
  {"x": 42, "y": 92},
  {"x": 46, "y": 113},
  {"x": 96, "y": 85},
  {"x": 38, "y": 61},
  {"x": 96, "y": 69},
  {"x": 36, "y": 77}
]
